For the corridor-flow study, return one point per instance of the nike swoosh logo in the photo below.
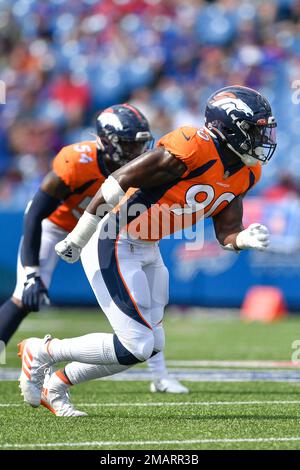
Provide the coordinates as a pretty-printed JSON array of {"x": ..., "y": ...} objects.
[{"x": 185, "y": 136}]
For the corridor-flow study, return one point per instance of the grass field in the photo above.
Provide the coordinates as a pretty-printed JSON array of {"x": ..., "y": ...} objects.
[{"x": 218, "y": 414}]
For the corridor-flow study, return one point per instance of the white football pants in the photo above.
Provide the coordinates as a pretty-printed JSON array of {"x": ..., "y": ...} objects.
[
  {"x": 150, "y": 286},
  {"x": 130, "y": 282}
]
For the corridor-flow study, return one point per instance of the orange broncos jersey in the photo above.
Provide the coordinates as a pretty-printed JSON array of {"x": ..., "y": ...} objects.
[
  {"x": 80, "y": 167},
  {"x": 202, "y": 191}
]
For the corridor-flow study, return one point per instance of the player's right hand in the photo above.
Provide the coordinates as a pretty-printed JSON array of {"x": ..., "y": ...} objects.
[
  {"x": 68, "y": 251},
  {"x": 35, "y": 293}
]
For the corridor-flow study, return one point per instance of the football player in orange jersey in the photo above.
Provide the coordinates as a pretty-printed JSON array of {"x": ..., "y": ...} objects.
[
  {"x": 78, "y": 172},
  {"x": 205, "y": 172}
]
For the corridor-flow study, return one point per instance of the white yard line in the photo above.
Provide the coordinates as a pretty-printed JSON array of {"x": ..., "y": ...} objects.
[
  {"x": 195, "y": 403},
  {"x": 244, "y": 363},
  {"x": 10, "y": 405},
  {"x": 143, "y": 443},
  {"x": 168, "y": 403},
  {"x": 280, "y": 364}
]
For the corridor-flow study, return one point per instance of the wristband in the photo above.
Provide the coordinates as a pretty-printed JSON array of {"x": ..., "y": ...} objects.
[
  {"x": 230, "y": 247},
  {"x": 29, "y": 270},
  {"x": 84, "y": 229}
]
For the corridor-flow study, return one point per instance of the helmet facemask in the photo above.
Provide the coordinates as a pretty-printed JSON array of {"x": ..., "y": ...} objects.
[
  {"x": 131, "y": 149},
  {"x": 122, "y": 150},
  {"x": 260, "y": 142}
]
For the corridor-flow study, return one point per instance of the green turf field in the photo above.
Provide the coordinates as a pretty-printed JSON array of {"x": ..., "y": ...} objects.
[{"x": 125, "y": 415}]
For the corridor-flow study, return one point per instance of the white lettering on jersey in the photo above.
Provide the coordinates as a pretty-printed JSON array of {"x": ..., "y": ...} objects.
[
  {"x": 82, "y": 148},
  {"x": 194, "y": 206},
  {"x": 84, "y": 158}
]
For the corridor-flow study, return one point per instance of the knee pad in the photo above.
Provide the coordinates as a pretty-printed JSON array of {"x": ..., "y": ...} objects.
[
  {"x": 160, "y": 289},
  {"x": 144, "y": 348},
  {"x": 159, "y": 339},
  {"x": 137, "y": 350}
]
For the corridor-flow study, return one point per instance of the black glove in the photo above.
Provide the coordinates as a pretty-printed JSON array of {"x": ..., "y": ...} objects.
[{"x": 35, "y": 293}]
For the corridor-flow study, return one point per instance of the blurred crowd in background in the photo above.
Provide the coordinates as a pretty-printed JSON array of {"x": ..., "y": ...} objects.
[{"x": 65, "y": 60}]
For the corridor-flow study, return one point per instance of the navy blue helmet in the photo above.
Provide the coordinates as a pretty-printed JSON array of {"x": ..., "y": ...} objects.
[
  {"x": 124, "y": 132},
  {"x": 242, "y": 118}
]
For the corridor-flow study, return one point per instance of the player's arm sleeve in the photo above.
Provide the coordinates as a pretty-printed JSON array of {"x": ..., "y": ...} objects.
[
  {"x": 56, "y": 186},
  {"x": 181, "y": 143},
  {"x": 254, "y": 177},
  {"x": 41, "y": 206}
]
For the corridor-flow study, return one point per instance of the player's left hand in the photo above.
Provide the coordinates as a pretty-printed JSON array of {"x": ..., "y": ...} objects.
[
  {"x": 68, "y": 251},
  {"x": 35, "y": 293},
  {"x": 256, "y": 236}
]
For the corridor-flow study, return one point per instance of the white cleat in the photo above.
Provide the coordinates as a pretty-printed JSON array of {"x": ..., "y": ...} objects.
[
  {"x": 35, "y": 359},
  {"x": 56, "y": 397},
  {"x": 167, "y": 385}
]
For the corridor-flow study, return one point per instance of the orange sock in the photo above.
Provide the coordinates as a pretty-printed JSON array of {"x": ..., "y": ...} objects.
[{"x": 62, "y": 376}]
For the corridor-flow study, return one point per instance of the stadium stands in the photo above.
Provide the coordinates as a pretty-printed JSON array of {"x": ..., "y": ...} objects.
[{"x": 70, "y": 58}]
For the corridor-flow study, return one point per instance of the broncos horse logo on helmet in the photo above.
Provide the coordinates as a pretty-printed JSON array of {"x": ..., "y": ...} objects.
[
  {"x": 124, "y": 132},
  {"x": 242, "y": 119}
]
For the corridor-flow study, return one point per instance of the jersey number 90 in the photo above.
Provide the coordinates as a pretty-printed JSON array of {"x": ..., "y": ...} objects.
[{"x": 194, "y": 206}]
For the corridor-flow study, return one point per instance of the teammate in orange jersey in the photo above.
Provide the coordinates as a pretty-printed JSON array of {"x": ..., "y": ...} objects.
[
  {"x": 78, "y": 172},
  {"x": 203, "y": 172}
]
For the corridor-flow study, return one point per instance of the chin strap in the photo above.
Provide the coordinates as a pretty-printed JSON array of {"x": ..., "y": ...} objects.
[{"x": 248, "y": 160}]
